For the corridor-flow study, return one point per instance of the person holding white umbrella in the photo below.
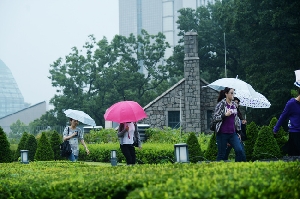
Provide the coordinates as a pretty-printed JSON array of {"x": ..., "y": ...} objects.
[
  {"x": 225, "y": 115},
  {"x": 74, "y": 134},
  {"x": 292, "y": 112}
]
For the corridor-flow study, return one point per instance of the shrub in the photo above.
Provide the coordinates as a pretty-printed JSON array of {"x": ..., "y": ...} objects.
[
  {"x": 44, "y": 151},
  {"x": 165, "y": 135},
  {"x": 212, "y": 149},
  {"x": 55, "y": 141},
  {"x": 265, "y": 146},
  {"x": 21, "y": 145},
  {"x": 101, "y": 136},
  {"x": 31, "y": 145},
  {"x": 6, "y": 155},
  {"x": 252, "y": 133},
  {"x": 195, "y": 153}
]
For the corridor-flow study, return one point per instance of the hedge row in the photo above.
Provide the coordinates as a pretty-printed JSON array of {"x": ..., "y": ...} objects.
[{"x": 207, "y": 180}]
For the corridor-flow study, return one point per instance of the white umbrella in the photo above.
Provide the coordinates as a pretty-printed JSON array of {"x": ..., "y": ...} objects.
[
  {"x": 247, "y": 95},
  {"x": 80, "y": 116}
]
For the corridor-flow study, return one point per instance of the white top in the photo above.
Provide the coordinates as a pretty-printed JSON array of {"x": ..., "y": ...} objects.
[{"x": 128, "y": 139}]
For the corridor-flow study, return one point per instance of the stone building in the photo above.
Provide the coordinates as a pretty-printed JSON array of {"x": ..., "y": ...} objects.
[{"x": 187, "y": 104}]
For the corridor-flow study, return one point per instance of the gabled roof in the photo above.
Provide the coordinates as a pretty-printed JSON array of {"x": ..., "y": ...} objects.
[{"x": 169, "y": 90}]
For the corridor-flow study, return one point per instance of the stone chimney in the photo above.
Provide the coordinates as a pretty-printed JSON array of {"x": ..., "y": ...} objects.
[{"x": 192, "y": 84}]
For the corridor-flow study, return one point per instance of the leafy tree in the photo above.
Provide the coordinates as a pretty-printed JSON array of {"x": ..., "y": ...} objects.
[
  {"x": 17, "y": 129},
  {"x": 265, "y": 146},
  {"x": 212, "y": 149},
  {"x": 252, "y": 133},
  {"x": 21, "y": 145},
  {"x": 47, "y": 119},
  {"x": 55, "y": 142},
  {"x": 82, "y": 81},
  {"x": 6, "y": 155},
  {"x": 44, "y": 151},
  {"x": 31, "y": 146},
  {"x": 271, "y": 31},
  {"x": 195, "y": 153}
]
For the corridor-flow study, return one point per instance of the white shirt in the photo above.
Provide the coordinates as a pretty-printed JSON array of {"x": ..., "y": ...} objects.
[{"x": 128, "y": 139}]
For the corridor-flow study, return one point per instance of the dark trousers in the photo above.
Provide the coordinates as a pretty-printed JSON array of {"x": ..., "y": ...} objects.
[
  {"x": 234, "y": 141},
  {"x": 293, "y": 144},
  {"x": 128, "y": 151}
]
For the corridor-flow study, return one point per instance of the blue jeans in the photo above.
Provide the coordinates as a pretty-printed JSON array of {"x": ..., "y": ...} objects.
[
  {"x": 234, "y": 141},
  {"x": 228, "y": 149},
  {"x": 73, "y": 157}
]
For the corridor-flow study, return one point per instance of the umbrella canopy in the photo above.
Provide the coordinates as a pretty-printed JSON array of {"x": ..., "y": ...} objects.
[
  {"x": 125, "y": 111},
  {"x": 247, "y": 95},
  {"x": 80, "y": 116}
]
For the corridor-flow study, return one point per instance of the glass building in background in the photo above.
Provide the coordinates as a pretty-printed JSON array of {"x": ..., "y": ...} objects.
[
  {"x": 154, "y": 16},
  {"x": 11, "y": 99}
]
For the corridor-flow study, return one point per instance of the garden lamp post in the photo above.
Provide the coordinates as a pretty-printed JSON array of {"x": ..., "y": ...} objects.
[
  {"x": 181, "y": 153},
  {"x": 113, "y": 158},
  {"x": 24, "y": 156}
]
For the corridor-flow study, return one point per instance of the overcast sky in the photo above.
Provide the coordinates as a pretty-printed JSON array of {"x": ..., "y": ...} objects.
[{"x": 35, "y": 33}]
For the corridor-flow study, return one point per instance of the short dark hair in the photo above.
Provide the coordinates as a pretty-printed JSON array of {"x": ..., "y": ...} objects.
[{"x": 236, "y": 99}]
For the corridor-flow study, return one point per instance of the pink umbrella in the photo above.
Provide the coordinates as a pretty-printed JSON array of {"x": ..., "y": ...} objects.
[{"x": 125, "y": 111}]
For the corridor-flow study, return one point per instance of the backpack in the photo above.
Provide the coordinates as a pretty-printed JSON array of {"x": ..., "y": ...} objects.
[{"x": 65, "y": 148}]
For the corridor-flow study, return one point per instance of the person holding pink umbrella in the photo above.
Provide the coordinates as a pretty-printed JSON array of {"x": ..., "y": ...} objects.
[{"x": 127, "y": 132}]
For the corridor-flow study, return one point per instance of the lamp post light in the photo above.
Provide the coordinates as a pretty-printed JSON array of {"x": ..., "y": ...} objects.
[
  {"x": 181, "y": 153},
  {"x": 113, "y": 158},
  {"x": 24, "y": 156}
]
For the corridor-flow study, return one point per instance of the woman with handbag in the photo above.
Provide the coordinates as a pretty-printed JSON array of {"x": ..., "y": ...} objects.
[
  {"x": 74, "y": 134},
  {"x": 226, "y": 116},
  {"x": 127, "y": 132}
]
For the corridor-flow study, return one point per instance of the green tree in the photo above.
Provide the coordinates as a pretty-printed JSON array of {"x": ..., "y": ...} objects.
[
  {"x": 82, "y": 80},
  {"x": 265, "y": 146},
  {"x": 271, "y": 31},
  {"x": 195, "y": 153},
  {"x": 44, "y": 151},
  {"x": 6, "y": 155},
  {"x": 31, "y": 146},
  {"x": 252, "y": 133},
  {"x": 17, "y": 129},
  {"x": 212, "y": 149},
  {"x": 21, "y": 145},
  {"x": 55, "y": 141}
]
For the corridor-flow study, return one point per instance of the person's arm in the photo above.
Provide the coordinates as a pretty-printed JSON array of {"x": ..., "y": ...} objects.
[
  {"x": 219, "y": 112},
  {"x": 284, "y": 115},
  {"x": 122, "y": 130},
  {"x": 137, "y": 135},
  {"x": 85, "y": 146}
]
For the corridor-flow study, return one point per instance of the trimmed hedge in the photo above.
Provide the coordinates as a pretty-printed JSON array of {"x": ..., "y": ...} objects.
[{"x": 78, "y": 180}]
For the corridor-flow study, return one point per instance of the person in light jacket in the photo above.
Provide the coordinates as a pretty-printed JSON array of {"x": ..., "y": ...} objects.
[
  {"x": 227, "y": 123},
  {"x": 127, "y": 132}
]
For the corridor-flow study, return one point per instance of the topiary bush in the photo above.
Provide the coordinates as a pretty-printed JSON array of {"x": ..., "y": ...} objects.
[
  {"x": 195, "y": 153},
  {"x": 265, "y": 146},
  {"x": 6, "y": 155},
  {"x": 44, "y": 151},
  {"x": 252, "y": 132},
  {"x": 21, "y": 145},
  {"x": 55, "y": 141},
  {"x": 31, "y": 145},
  {"x": 212, "y": 149}
]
